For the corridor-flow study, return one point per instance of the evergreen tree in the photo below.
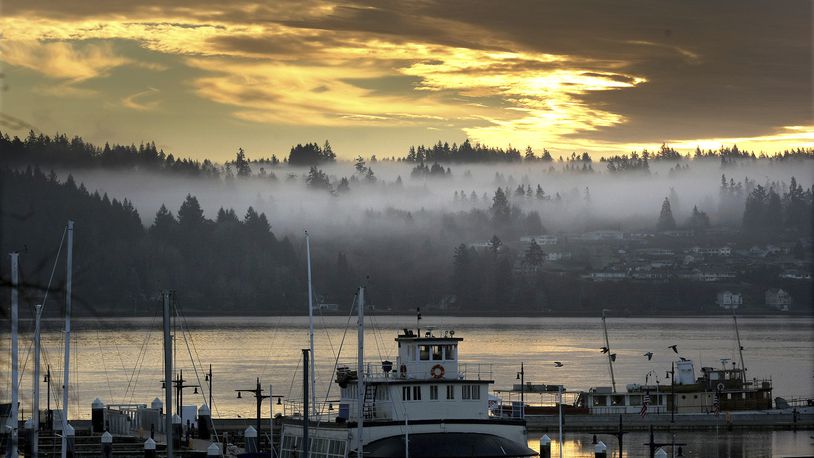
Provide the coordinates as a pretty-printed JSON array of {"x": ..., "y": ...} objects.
[
  {"x": 242, "y": 166},
  {"x": 666, "y": 220},
  {"x": 190, "y": 215},
  {"x": 699, "y": 220},
  {"x": 501, "y": 211},
  {"x": 534, "y": 255},
  {"x": 317, "y": 179}
]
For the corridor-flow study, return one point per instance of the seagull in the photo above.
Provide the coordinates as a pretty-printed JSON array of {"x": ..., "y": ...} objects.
[
  {"x": 605, "y": 350},
  {"x": 613, "y": 357},
  {"x": 649, "y": 355},
  {"x": 557, "y": 364},
  {"x": 674, "y": 348}
]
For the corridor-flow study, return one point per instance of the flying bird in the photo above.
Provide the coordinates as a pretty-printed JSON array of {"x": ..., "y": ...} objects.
[
  {"x": 674, "y": 348},
  {"x": 605, "y": 350},
  {"x": 649, "y": 355},
  {"x": 557, "y": 364}
]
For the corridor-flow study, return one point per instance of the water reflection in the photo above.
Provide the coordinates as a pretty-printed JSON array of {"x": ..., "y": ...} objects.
[{"x": 707, "y": 444}]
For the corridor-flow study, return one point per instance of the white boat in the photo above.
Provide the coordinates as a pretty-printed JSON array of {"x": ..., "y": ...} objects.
[{"x": 426, "y": 404}]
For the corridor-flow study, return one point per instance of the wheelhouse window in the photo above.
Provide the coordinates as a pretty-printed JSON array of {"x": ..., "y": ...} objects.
[
  {"x": 450, "y": 391},
  {"x": 424, "y": 352},
  {"x": 449, "y": 352},
  {"x": 433, "y": 392},
  {"x": 405, "y": 393},
  {"x": 436, "y": 353},
  {"x": 416, "y": 393}
]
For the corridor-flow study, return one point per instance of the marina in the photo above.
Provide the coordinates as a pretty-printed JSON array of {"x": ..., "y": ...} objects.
[{"x": 279, "y": 364}]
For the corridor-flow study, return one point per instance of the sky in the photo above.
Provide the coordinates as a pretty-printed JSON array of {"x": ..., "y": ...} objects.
[{"x": 202, "y": 78}]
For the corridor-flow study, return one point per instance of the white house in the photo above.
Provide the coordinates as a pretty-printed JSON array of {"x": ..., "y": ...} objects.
[
  {"x": 728, "y": 300},
  {"x": 779, "y": 299}
]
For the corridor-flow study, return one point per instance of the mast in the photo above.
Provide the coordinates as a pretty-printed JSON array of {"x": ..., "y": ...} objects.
[
  {"x": 167, "y": 374},
  {"x": 35, "y": 400},
  {"x": 740, "y": 347},
  {"x": 66, "y": 370},
  {"x": 15, "y": 387},
  {"x": 305, "y": 418},
  {"x": 360, "y": 384},
  {"x": 607, "y": 346},
  {"x": 311, "y": 322}
]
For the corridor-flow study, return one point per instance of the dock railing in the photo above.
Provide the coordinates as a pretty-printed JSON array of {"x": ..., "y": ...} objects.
[{"x": 133, "y": 419}]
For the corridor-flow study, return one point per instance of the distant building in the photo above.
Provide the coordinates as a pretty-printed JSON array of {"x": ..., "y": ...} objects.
[
  {"x": 795, "y": 275},
  {"x": 778, "y": 299},
  {"x": 540, "y": 239},
  {"x": 728, "y": 300},
  {"x": 606, "y": 276},
  {"x": 598, "y": 236},
  {"x": 712, "y": 251}
]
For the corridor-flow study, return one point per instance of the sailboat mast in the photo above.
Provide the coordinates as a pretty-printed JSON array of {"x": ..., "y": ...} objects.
[
  {"x": 167, "y": 375},
  {"x": 35, "y": 400},
  {"x": 311, "y": 323},
  {"x": 607, "y": 346},
  {"x": 66, "y": 370},
  {"x": 15, "y": 387},
  {"x": 360, "y": 371},
  {"x": 740, "y": 347}
]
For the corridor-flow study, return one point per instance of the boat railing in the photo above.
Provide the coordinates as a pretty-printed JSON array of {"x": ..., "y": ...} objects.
[
  {"x": 475, "y": 371},
  {"x": 138, "y": 419}
]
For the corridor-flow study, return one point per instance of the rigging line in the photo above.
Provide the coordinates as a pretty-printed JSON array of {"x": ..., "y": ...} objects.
[
  {"x": 142, "y": 354},
  {"x": 104, "y": 365},
  {"x": 293, "y": 378},
  {"x": 184, "y": 332},
  {"x": 338, "y": 354},
  {"x": 375, "y": 340},
  {"x": 45, "y": 296},
  {"x": 275, "y": 331}
]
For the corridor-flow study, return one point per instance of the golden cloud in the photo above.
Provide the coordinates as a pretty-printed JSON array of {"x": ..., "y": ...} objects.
[{"x": 62, "y": 60}]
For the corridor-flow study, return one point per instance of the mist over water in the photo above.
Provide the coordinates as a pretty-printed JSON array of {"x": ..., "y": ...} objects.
[{"x": 587, "y": 201}]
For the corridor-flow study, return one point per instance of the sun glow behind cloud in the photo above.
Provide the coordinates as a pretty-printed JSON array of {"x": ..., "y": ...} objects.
[{"x": 278, "y": 73}]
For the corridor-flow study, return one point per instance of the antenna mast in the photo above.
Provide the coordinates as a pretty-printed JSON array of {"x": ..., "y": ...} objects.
[
  {"x": 607, "y": 346},
  {"x": 740, "y": 347},
  {"x": 311, "y": 323}
]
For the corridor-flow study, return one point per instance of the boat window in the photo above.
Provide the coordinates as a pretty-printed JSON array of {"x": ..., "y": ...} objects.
[
  {"x": 436, "y": 353},
  {"x": 416, "y": 393},
  {"x": 470, "y": 392},
  {"x": 405, "y": 393},
  {"x": 600, "y": 400},
  {"x": 424, "y": 352},
  {"x": 449, "y": 352},
  {"x": 618, "y": 400},
  {"x": 450, "y": 391},
  {"x": 433, "y": 392},
  {"x": 635, "y": 399},
  {"x": 383, "y": 393}
]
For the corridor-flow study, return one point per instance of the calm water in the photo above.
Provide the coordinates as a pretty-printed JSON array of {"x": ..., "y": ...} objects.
[{"x": 120, "y": 361}]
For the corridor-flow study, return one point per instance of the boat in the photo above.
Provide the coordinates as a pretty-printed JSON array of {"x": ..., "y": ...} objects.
[
  {"x": 426, "y": 404},
  {"x": 715, "y": 390}
]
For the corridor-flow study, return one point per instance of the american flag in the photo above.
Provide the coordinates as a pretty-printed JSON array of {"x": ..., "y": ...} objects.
[
  {"x": 716, "y": 404},
  {"x": 645, "y": 402}
]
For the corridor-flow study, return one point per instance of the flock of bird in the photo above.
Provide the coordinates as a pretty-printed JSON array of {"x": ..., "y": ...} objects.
[{"x": 605, "y": 350}]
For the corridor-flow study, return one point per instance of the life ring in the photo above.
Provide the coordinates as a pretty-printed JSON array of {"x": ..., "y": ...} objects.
[
  {"x": 721, "y": 387},
  {"x": 437, "y": 371}
]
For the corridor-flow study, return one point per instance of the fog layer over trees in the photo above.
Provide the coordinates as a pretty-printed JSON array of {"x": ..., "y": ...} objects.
[{"x": 450, "y": 227}]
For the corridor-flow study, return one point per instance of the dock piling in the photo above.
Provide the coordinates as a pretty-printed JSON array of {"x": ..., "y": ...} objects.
[
  {"x": 107, "y": 445},
  {"x": 250, "y": 436},
  {"x": 149, "y": 448},
  {"x": 601, "y": 450},
  {"x": 545, "y": 446}
]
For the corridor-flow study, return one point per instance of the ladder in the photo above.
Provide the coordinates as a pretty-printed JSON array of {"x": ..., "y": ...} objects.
[{"x": 370, "y": 402}]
